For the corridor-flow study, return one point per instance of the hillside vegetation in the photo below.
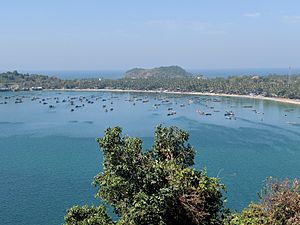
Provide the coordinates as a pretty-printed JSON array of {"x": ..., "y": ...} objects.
[
  {"x": 269, "y": 86},
  {"x": 166, "y": 72}
]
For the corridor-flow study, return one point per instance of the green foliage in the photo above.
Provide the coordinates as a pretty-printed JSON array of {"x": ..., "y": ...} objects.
[
  {"x": 164, "y": 71},
  {"x": 280, "y": 205},
  {"x": 160, "y": 187},
  {"x": 86, "y": 215},
  {"x": 156, "y": 186},
  {"x": 253, "y": 215},
  {"x": 269, "y": 86},
  {"x": 169, "y": 144}
]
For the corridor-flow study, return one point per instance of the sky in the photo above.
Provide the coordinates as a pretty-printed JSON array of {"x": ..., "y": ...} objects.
[{"x": 195, "y": 34}]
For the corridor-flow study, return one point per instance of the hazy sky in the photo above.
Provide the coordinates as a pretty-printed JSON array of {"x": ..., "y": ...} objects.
[{"x": 96, "y": 34}]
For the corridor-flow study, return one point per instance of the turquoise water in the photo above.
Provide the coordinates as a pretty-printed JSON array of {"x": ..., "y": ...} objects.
[{"x": 49, "y": 156}]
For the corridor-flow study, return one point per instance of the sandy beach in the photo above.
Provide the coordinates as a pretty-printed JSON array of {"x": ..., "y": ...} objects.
[{"x": 281, "y": 100}]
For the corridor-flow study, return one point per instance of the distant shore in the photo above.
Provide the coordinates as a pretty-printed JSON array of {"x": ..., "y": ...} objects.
[{"x": 259, "y": 97}]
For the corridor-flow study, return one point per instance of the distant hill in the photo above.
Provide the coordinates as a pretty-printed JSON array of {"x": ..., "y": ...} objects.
[{"x": 164, "y": 71}]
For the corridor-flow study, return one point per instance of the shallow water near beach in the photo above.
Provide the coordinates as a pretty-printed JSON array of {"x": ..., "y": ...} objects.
[{"x": 49, "y": 155}]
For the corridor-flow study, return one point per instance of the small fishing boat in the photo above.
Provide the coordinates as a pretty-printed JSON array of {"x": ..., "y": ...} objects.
[
  {"x": 18, "y": 100},
  {"x": 293, "y": 123},
  {"x": 171, "y": 113},
  {"x": 289, "y": 110},
  {"x": 200, "y": 112},
  {"x": 229, "y": 113}
]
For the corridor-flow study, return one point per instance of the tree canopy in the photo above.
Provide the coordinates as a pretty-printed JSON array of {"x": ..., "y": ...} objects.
[
  {"x": 279, "y": 205},
  {"x": 159, "y": 186},
  {"x": 269, "y": 86},
  {"x": 152, "y": 187}
]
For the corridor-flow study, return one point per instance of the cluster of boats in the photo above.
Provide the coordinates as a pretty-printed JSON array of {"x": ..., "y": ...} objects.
[{"x": 76, "y": 102}]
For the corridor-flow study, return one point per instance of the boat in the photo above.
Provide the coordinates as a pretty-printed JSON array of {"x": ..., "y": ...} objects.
[
  {"x": 293, "y": 123},
  {"x": 18, "y": 100},
  {"x": 5, "y": 89},
  {"x": 171, "y": 113},
  {"x": 229, "y": 113},
  {"x": 289, "y": 110},
  {"x": 200, "y": 112},
  {"x": 229, "y": 117},
  {"x": 34, "y": 98}
]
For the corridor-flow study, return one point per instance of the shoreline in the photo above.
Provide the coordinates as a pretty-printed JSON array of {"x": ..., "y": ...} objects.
[{"x": 259, "y": 97}]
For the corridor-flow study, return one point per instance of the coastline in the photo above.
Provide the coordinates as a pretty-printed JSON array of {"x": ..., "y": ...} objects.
[{"x": 259, "y": 97}]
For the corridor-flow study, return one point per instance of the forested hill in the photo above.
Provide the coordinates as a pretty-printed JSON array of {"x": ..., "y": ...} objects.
[
  {"x": 164, "y": 71},
  {"x": 18, "y": 81},
  {"x": 269, "y": 86}
]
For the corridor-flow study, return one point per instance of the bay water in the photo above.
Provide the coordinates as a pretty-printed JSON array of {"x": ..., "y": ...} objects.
[{"x": 49, "y": 155}]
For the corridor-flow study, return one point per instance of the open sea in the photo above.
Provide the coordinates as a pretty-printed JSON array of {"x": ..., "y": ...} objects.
[{"x": 49, "y": 156}]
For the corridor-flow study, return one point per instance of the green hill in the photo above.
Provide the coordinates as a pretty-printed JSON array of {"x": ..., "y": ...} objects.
[{"x": 164, "y": 71}]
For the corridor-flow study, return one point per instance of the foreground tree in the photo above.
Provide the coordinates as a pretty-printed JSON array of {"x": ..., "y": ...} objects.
[
  {"x": 160, "y": 187},
  {"x": 151, "y": 187}
]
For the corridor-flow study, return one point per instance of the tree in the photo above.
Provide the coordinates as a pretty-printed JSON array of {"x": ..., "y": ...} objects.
[
  {"x": 88, "y": 216},
  {"x": 279, "y": 205},
  {"x": 152, "y": 187}
]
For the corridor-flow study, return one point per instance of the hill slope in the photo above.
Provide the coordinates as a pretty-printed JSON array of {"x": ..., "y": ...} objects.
[{"x": 164, "y": 71}]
